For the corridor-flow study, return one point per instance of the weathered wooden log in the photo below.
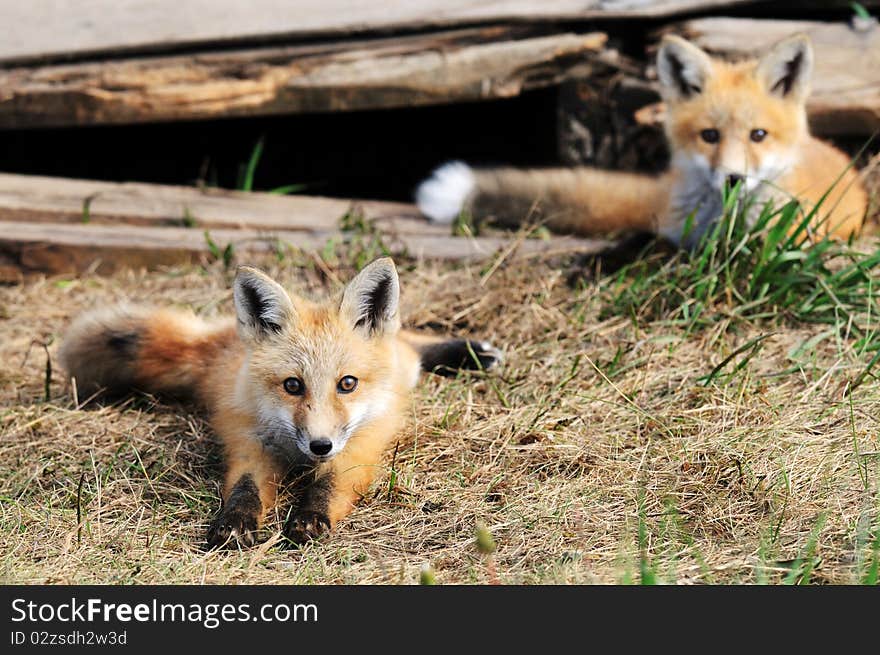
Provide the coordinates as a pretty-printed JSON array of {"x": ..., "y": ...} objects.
[
  {"x": 69, "y": 249},
  {"x": 62, "y": 200},
  {"x": 426, "y": 69},
  {"x": 46, "y": 30},
  {"x": 55, "y": 226}
]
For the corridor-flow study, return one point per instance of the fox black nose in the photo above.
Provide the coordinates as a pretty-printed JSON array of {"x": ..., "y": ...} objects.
[
  {"x": 733, "y": 179},
  {"x": 320, "y": 446}
]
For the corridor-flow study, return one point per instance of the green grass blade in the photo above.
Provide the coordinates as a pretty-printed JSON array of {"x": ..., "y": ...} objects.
[{"x": 247, "y": 182}]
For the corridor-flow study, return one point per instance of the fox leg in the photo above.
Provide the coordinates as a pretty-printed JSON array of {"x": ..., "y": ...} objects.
[
  {"x": 250, "y": 489},
  {"x": 337, "y": 485},
  {"x": 446, "y": 357}
]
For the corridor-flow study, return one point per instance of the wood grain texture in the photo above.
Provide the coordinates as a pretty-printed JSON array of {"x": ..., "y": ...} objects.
[
  {"x": 55, "y": 249},
  {"x": 846, "y": 79},
  {"x": 42, "y": 227},
  {"x": 61, "y": 200},
  {"x": 59, "y": 29},
  {"x": 444, "y": 67}
]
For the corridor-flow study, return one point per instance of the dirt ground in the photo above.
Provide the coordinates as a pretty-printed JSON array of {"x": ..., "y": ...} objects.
[{"x": 594, "y": 455}]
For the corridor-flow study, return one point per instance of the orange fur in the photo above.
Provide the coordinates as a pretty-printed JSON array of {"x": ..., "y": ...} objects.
[
  {"x": 580, "y": 200},
  {"x": 356, "y": 467}
]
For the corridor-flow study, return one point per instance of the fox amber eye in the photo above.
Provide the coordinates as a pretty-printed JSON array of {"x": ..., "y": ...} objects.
[
  {"x": 758, "y": 135},
  {"x": 294, "y": 386},
  {"x": 347, "y": 384},
  {"x": 710, "y": 136}
]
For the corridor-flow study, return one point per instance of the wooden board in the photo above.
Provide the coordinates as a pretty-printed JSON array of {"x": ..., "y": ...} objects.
[
  {"x": 48, "y": 29},
  {"x": 69, "y": 249},
  {"x": 42, "y": 227},
  {"x": 846, "y": 81},
  {"x": 62, "y": 200},
  {"x": 455, "y": 66}
]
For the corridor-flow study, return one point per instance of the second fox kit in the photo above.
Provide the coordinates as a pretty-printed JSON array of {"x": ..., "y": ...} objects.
[
  {"x": 726, "y": 123},
  {"x": 294, "y": 386}
]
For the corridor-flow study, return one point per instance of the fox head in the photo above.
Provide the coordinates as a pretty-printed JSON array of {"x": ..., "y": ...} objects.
[
  {"x": 316, "y": 373},
  {"x": 735, "y": 122}
]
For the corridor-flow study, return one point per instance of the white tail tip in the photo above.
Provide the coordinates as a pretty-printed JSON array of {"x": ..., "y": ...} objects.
[{"x": 442, "y": 196}]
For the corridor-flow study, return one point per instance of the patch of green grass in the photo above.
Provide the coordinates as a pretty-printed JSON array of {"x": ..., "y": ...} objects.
[
  {"x": 647, "y": 570},
  {"x": 768, "y": 273},
  {"x": 748, "y": 350},
  {"x": 464, "y": 225},
  {"x": 247, "y": 171},
  {"x": 427, "y": 575},
  {"x": 226, "y": 254},
  {"x": 802, "y": 567},
  {"x": 640, "y": 557},
  {"x": 867, "y": 549},
  {"x": 363, "y": 241},
  {"x": 859, "y": 10},
  {"x": 287, "y": 189},
  {"x": 188, "y": 219},
  {"x": 87, "y": 208},
  {"x": 872, "y": 574}
]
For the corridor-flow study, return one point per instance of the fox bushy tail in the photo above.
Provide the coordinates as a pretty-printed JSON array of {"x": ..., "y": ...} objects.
[
  {"x": 444, "y": 356},
  {"x": 586, "y": 201},
  {"x": 126, "y": 347}
]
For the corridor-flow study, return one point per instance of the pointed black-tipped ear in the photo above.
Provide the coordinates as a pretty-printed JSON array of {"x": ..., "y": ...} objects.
[
  {"x": 371, "y": 300},
  {"x": 787, "y": 69},
  {"x": 261, "y": 304},
  {"x": 682, "y": 68}
]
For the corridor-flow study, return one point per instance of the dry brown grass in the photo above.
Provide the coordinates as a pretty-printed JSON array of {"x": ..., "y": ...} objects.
[{"x": 594, "y": 432}]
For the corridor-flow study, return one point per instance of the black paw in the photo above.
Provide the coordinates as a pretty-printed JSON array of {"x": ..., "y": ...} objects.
[
  {"x": 487, "y": 355},
  {"x": 449, "y": 357},
  {"x": 232, "y": 529},
  {"x": 306, "y": 525}
]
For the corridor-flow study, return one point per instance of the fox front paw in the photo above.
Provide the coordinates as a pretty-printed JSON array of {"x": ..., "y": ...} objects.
[
  {"x": 232, "y": 529},
  {"x": 487, "y": 356},
  {"x": 306, "y": 525}
]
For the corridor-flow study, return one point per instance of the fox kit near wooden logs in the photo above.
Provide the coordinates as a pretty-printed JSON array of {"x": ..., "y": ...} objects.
[
  {"x": 727, "y": 123},
  {"x": 320, "y": 389}
]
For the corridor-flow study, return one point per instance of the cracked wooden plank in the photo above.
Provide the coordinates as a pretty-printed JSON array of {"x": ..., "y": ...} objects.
[
  {"x": 54, "y": 226},
  {"x": 45, "y": 30},
  {"x": 61, "y": 200},
  {"x": 464, "y": 65}
]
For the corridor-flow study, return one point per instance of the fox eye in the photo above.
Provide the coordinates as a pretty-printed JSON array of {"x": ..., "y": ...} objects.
[
  {"x": 294, "y": 386},
  {"x": 758, "y": 135},
  {"x": 347, "y": 384},
  {"x": 710, "y": 135}
]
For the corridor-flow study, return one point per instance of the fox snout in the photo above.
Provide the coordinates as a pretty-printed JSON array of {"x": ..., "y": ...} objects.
[
  {"x": 733, "y": 164},
  {"x": 320, "y": 447},
  {"x": 729, "y": 178}
]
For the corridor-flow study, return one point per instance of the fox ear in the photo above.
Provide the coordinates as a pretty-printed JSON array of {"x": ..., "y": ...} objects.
[
  {"x": 787, "y": 68},
  {"x": 682, "y": 68},
  {"x": 371, "y": 300},
  {"x": 261, "y": 304}
]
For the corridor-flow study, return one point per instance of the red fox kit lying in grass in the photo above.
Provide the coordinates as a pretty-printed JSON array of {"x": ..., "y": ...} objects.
[
  {"x": 296, "y": 386},
  {"x": 726, "y": 123}
]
